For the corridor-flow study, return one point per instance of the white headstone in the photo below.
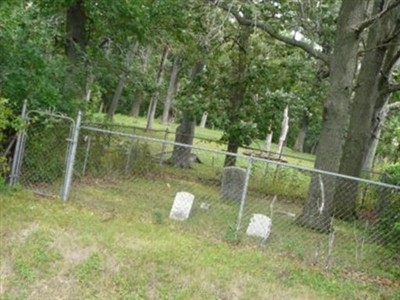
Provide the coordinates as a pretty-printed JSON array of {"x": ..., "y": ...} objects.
[
  {"x": 182, "y": 206},
  {"x": 260, "y": 225}
]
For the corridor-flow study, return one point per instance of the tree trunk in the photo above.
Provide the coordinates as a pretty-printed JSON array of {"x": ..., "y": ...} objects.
[
  {"x": 301, "y": 136},
  {"x": 284, "y": 131},
  {"x": 75, "y": 47},
  {"x": 203, "y": 120},
  {"x": 154, "y": 98},
  {"x": 230, "y": 160},
  {"x": 171, "y": 91},
  {"x": 181, "y": 156},
  {"x": 121, "y": 83},
  {"x": 101, "y": 108},
  {"x": 377, "y": 123},
  {"x": 365, "y": 96},
  {"x": 238, "y": 92},
  {"x": 268, "y": 140},
  {"x": 135, "y": 109},
  {"x": 137, "y": 101},
  {"x": 343, "y": 63},
  {"x": 381, "y": 105},
  {"x": 117, "y": 96}
]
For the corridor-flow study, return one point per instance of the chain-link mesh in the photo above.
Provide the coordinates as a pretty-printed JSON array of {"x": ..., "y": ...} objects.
[
  {"x": 308, "y": 215},
  {"x": 45, "y": 150},
  {"x": 339, "y": 221}
]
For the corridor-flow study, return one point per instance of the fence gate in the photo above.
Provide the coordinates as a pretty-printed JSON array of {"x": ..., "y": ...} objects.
[{"x": 43, "y": 153}]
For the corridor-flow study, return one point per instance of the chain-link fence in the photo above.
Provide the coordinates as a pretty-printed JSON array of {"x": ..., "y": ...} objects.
[{"x": 308, "y": 215}]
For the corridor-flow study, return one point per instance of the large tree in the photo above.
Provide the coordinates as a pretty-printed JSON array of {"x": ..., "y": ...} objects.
[
  {"x": 353, "y": 19},
  {"x": 371, "y": 88}
]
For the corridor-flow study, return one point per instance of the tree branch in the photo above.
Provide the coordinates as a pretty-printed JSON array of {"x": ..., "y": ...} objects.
[
  {"x": 379, "y": 15},
  {"x": 394, "y": 105},
  {"x": 391, "y": 89},
  {"x": 308, "y": 47}
]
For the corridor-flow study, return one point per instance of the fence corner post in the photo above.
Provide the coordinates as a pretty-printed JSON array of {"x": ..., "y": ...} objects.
[{"x": 69, "y": 169}]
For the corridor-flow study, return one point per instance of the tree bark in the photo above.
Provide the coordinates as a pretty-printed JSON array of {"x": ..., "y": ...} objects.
[
  {"x": 77, "y": 39},
  {"x": 137, "y": 102},
  {"x": 233, "y": 147},
  {"x": 343, "y": 63},
  {"x": 154, "y": 98},
  {"x": 181, "y": 155},
  {"x": 135, "y": 109},
  {"x": 75, "y": 47},
  {"x": 122, "y": 80},
  {"x": 284, "y": 131},
  {"x": 366, "y": 93},
  {"x": 171, "y": 90},
  {"x": 378, "y": 123},
  {"x": 301, "y": 136},
  {"x": 268, "y": 141}
]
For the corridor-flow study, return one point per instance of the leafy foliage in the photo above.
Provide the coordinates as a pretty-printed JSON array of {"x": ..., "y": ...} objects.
[{"x": 390, "y": 211}]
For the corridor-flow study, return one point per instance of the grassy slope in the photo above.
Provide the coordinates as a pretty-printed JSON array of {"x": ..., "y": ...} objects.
[{"x": 52, "y": 250}]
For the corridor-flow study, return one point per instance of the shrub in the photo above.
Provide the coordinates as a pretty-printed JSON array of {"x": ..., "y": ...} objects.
[
  {"x": 389, "y": 205},
  {"x": 9, "y": 123}
]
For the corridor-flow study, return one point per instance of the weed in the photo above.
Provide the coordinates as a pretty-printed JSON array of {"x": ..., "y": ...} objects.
[
  {"x": 230, "y": 235},
  {"x": 90, "y": 267},
  {"x": 24, "y": 270},
  {"x": 158, "y": 217}
]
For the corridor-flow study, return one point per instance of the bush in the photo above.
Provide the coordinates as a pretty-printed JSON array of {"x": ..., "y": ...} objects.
[
  {"x": 9, "y": 124},
  {"x": 389, "y": 205}
]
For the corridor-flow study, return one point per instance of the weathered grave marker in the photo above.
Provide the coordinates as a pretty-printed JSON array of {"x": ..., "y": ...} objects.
[
  {"x": 233, "y": 179},
  {"x": 182, "y": 206},
  {"x": 260, "y": 226}
]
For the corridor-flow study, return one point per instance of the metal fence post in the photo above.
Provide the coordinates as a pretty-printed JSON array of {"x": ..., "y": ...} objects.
[
  {"x": 69, "y": 168},
  {"x": 164, "y": 145},
  {"x": 244, "y": 194},
  {"x": 19, "y": 147}
]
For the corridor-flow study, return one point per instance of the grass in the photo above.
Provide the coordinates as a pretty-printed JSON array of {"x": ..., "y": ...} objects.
[{"x": 54, "y": 250}]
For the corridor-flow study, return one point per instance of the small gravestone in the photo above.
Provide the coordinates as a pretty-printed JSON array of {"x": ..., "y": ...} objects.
[
  {"x": 182, "y": 206},
  {"x": 260, "y": 226},
  {"x": 233, "y": 179}
]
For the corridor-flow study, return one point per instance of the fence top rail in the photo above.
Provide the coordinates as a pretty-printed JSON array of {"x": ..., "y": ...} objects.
[{"x": 301, "y": 168}]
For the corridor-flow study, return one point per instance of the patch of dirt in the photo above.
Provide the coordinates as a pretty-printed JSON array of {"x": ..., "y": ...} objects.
[
  {"x": 56, "y": 287},
  {"x": 22, "y": 235},
  {"x": 6, "y": 270},
  {"x": 367, "y": 278},
  {"x": 69, "y": 245},
  {"x": 237, "y": 287}
]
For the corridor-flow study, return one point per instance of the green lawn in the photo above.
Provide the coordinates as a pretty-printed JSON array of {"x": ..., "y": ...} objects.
[
  {"x": 87, "y": 249},
  {"x": 291, "y": 156}
]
